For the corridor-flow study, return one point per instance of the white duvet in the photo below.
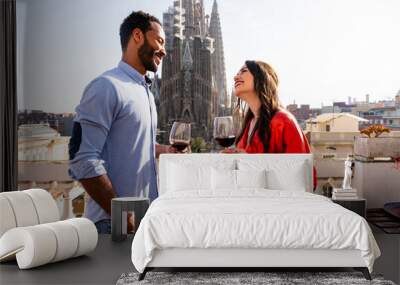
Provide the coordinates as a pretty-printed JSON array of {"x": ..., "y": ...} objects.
[{"x": 256, "y": 218}]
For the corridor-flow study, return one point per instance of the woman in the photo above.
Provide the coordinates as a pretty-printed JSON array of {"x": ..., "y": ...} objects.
[{"x": 267, "y": 126}]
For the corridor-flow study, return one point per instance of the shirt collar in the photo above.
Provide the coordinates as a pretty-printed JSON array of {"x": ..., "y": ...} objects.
[
  {"x": 134, "y": 74},
  {"x": 148, "y": 80}
]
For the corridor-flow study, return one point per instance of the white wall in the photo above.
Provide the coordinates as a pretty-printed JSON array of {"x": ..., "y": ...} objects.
[
  {"x": 344, "y": 124},
  {"x": 378, "y": 182}
]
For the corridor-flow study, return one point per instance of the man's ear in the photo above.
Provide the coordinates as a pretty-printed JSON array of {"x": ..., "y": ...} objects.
[{"x": 137, "y": 36}]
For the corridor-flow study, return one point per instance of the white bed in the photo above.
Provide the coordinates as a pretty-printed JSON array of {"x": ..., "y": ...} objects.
[{"x": 220, "y": 211}]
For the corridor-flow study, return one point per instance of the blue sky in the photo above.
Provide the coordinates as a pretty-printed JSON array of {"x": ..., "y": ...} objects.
[{"x": 323, "y": 50}]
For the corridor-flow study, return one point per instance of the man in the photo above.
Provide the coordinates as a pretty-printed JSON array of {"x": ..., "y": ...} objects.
[{"x": 113, "y": 147}]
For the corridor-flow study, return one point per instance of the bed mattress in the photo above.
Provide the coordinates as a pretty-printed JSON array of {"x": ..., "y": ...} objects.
[{"x": 250, "y": 219}]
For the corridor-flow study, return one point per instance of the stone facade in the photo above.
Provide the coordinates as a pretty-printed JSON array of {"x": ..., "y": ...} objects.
[{"x": 193, "y": 84}]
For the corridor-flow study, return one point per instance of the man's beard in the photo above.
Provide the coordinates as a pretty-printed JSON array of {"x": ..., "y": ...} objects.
[{"x": 146, "y": 55}]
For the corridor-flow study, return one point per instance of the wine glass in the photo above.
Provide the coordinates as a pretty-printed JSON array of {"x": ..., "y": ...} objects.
[
  {"x": 179, "y": 136},
  {"x": 224, "y": 132}
]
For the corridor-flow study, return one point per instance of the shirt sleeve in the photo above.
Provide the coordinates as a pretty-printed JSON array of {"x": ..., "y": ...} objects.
[{"x": 95, "y": 113}]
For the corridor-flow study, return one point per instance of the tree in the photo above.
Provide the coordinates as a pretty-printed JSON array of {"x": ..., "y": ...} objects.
[{"x": 375, "y": 130}]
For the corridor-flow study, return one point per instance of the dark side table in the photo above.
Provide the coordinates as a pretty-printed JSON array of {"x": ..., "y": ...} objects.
[
  {"x": 119, "y": 211},
  {"x": 358, "y": 206}
]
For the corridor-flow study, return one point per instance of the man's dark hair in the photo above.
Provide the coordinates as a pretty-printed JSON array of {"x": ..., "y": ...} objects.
[{"x": 135, "y": 20}]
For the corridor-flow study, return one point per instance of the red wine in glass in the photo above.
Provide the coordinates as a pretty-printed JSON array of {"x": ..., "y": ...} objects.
[
  {"x": 180, "y": 145},
  {"x": 226, "y": 141},
  {"x": 179, "y": 136},
  {"x": 224, "y": 132}
]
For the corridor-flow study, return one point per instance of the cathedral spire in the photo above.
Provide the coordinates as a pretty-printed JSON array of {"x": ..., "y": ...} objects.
[
  {"x": 199, "y": 19},
  {"x": 218, "y": 63},
  {"x": 177, "y": 18},
  {"x": 188, "y": 6},
  {"x": 215, "y": 8},
  {"x": 187, "y": 57},
  {"x": 203, "y": 20}
]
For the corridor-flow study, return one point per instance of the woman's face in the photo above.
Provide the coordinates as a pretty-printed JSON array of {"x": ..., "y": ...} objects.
[{"x": 244, "y": 83}]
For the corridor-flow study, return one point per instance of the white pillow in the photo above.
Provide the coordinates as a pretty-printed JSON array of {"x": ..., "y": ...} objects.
[
  {"x": 293, "y": 179},
  {"x": 223, "y": 179},
  {"x": 251, "y": 178},
  {"x": 283, "y": 173},
  {"x": 188, "y": 177}
]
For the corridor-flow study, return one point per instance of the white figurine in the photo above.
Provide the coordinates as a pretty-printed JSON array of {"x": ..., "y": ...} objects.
[{"x": 347, "y": 174}]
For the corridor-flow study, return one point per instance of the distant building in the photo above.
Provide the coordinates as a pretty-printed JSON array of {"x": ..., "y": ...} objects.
[
  {"x": 391, "y": 118},
  {"x": 315, "y": 112},
  {"x": 330, "y": 149},
  {"x": 330, "y": 109},
  {"x": 331, "y": 137},
  {"x": 61, "y": 122},
  {"x": 342, "y": 107},
  {"x": 303, "y": 113},
  {"x": 332, "y": 134},
  {"x": 387, "y": 116},
  {"x": 363, "y": 107},
  {"x": 33, "y": 117},
  {"x": 397, "y": 99},
  {"x": 43, "y": 163},
  {"x": 193, "y": 81},
  {"x": 39, "y": 142},
  {"x": 334, "y": 122}
]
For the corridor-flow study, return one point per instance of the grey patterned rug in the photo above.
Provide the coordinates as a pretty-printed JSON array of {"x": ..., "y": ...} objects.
[{"x": 270, "y": 278}]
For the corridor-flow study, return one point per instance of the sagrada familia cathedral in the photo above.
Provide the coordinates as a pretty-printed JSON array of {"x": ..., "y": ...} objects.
[{"x": 193, "y": 81}]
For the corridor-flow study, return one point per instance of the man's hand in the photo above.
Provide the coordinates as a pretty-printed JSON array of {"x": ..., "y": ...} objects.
[
  {"x": 162, "y": 148},
  {"x": 131, "y": 223}
]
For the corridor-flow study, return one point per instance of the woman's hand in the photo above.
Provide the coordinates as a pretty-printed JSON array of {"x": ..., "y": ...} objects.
[
  {"x": 233, "y": 150},
  {"x": 172, "y": 149},
  {"x": 163, "y": 148}
]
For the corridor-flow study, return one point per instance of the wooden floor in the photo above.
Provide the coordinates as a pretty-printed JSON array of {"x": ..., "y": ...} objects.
[
  {"x": 106, "y": 264},
  {"x": 389, "y": 263}
]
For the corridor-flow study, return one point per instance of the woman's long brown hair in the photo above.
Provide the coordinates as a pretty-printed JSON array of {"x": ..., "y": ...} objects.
[{"x": 265, "y": 85}]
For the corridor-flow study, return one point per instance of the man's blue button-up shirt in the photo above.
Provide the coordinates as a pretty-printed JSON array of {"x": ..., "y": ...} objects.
[{"x": 118, "y": 119}]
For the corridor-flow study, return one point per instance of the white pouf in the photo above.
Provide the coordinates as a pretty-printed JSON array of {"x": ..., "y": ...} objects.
[
  {"x": 7, "y": 218},
  {"x": 23, "y": 208},
  {"x": 40, "y": 244},
  {"x": 46, "y": 208}
]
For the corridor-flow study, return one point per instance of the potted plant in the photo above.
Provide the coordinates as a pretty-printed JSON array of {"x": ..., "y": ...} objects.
[{"x": 371, "y": 144}]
